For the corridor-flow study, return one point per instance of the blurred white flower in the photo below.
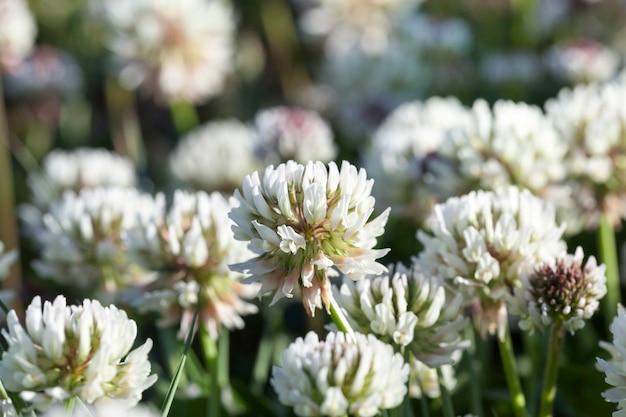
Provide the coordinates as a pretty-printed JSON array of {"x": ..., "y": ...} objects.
[
  {"x": 18, "y": 30},
  {"x": 81, "y": 351},
  {"x": 286, "y": 133},
  {"x": 591, "y": 120},
  {"x": 215, "y": 156},
  {"x": 615, "y": 367},
  {"x": 561, "y": 289},
  {"x": 185, "y": 47},
  {"x": 407, "y": 309},
  {"x": 105, "y": 409},
  {"x": 482, "y": 243},
  {"x": 301, "y": 220},
  {"x": 7, "y": 409},
  {"x": 7, "y": 259},
  {"x": 191, "y": 248},
  {"x": 82, "y": 239},
  {"x": 341, "y": 375},
  {"x": 582, "y": 60},
  {"x": 424, "y": 380}
]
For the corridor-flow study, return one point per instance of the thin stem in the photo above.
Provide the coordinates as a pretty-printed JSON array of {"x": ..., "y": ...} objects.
[
  {"x": 473, "y": 363},
  {"x": 338, "y": 317},
  {"x": 552, "y": 366},
  {"x": 512, "y": 378},
  {"x": 448, "y": 409},
  {"x": 69, "y": 405},
  {"x": 209, "y": 348},
  {"x": 184, "y": 116},
  {"x": 608, "y": 256}
]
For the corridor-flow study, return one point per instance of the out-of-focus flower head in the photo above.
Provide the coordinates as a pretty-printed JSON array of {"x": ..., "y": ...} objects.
[
  {"x": 582, "y": 60},
  {"x": 407, "y": 309},
  {"x": 561, "y": 290},
  {"x": 180, "y": 50},
  {"x": 81, "y": 351},
  {"x": 191, "y": 247},
  {"x": 591, "y": 120},
  {"x": 482, "y": 243},
  {"x": 45, "y": 70},
  {"x": 303, "y": 220},
  {"x": 82, "y": 239},
  {"x": 215, "y": 156},
  {"x": 7, "y": 259},
  {"x": 357, "y": 375},
  {"x": 405, "y": 158},
  {"x": 424, "y": 380},
  {"x": 615, "y": 367},
  {"x": 286, "y": 133},
  {"x": 105, "y": 409},
  {"x": 17, "y": 32}
]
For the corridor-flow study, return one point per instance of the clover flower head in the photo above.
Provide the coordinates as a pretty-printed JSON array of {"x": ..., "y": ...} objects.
[
  {"x": 301, "y": 220},
  {"x": 105, "y": 409},
  {"x": 482, "y": 243},
  {"x": 407, "y": 309},
  {"x": 582, "y": 60},
  {"x": 17, "y": 31},
  {"x": 424, "y": 380},
  {"x": 81, "y": 351},
  {"x": 82, "y": 238},
  {"x": 341, "y": 375},
  {"x": 615, "y": 367},
  {"x": 561, "y": 290},
  {"x": 215, "y": 156},
  {"x": 181, "y": 51},
  {"x": 286, "y": 133},
  {"x": 191, "y": 247}
]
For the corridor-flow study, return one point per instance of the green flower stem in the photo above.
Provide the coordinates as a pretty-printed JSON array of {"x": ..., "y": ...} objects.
[
  {"x": 184, "y": 116},
  {"x": 608, "y": 256},
  {"x": 473, "y": 363},
  {"x": 209, "y": 348},
  {"x": 69, "y": 405},
  {"x": 338, "y": 317},
  {"x": 512, "y": 378},
  {"x": 448, "y": 409},
  {"x": 549, "y": 384}
]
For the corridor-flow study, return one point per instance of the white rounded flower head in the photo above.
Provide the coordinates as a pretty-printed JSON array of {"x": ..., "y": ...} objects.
[
  {"x": 82, "y": 238},
  {"x": 615, "y": 367},
  {"x": 181, "y": 50},
  {"x": 405, "y": 160},
  {"x": 302, "y": 220},
  {"x": 482, "y": 243},
  {"x": 215, "y": 156},
  {"x": 582, "y": 60},
  {"x": 510, "y": 144},
  {"x": 286, "y": 133},
  {"x": 357, "y": 375},
  {"x": 407, "y": 309},
  {"x": 81, "y": 351},
  {"x": 191, "y": 248},
  {"x": 104, "y": 409},
  {"x": 17, "y": 31},
  {"x": 561, "y": 290}
]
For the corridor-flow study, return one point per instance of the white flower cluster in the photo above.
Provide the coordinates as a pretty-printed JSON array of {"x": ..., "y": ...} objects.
[
  {"x": 591, "y": 120},
  {"x": 17, "y": 31},
  {"x": 106, "y": 409},
  {"x": 191, "y": 248},
  {"x": 215, "y": 156},
  {"x": 406, "y": 309},
  {"x": 424, "y": 380},
  {"x": 301, "y": 220},
  {"x": 82, "y": 238},
  {"x": 561, "y": 289},
  {"x": 286, "y": 133},
  {"x": 582, "y": 60},
  {"x": 185, "y": 47},
  {"x": 81, "y": 351},
  {"x": 77, "y": 169},
  {"x": 483, "y": 243},
  {"x": 615, "y": 367},
  {"x": 341, "y": 375}
]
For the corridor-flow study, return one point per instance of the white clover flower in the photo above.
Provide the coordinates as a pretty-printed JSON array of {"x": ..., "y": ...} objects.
[
  {"x": 408, "y": 310},
  {"x": 286, "y": 133},
  {"x": 405, "y": 159},
  {"x": 482, "y": 243},
  {"x": 191, "y": 247},
  {"x": 615, "y": 367},
  {"x": 105, "y": 409},
  {"x": 185, "y": 47},
  {"x": 215, "y": 156},
  {"x": 81, "y": 351},
  {"x": 301, "y": 220},
  {"x": 582, "y": 60},
  {"x": 424, "y": 380},
  {"x": 591, "y": 119},
  {"x": 341, "y": 375},
  {"x": 82, "y": 238},
  {"x": 561, "y": 289},
  {"x": 17, "y": 31},
  {"x": 511, "y": 144}
]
